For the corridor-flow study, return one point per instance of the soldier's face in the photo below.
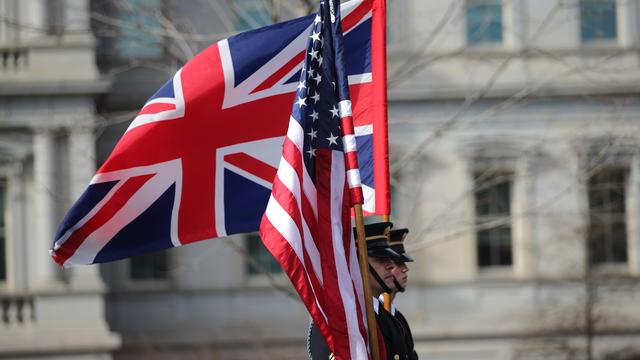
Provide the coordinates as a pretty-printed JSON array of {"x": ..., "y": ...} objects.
[
  {"x": 383, "y": 267},
  {"x": 400, "y": 272}
]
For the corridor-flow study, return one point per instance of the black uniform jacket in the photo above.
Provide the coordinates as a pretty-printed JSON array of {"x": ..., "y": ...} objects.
[
  {"x": 392, "y": 330},
  {"x": 413, "y": 355}
]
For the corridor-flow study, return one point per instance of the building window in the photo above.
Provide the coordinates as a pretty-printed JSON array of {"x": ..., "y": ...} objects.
[
  {"x": 3, "y": 237},
  {"x": 493, "y": 224},
  {"x": 251, "y": 14},
  {"x": 55, "y": 18},
  {"x": 607, "y": 228},
  {"x": 140, "y": 32},
  {"x": 150, "y": 266},
  {"x": 597, "y": 20},
  {"x": 260, "y": 260},
  {"x": 484, "y": 21}
]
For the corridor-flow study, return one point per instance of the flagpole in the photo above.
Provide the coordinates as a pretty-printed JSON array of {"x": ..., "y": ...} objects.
[
  {"x": 364, "y": 271},
  {"x": 388, "y": 298}
]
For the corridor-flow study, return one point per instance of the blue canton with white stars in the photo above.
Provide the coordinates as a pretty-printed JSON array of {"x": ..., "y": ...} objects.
[{"x": 316, "y": 103}]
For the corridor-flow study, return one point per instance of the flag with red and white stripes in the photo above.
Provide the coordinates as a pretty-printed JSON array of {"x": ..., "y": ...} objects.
[{"x": 307, "y": 223}]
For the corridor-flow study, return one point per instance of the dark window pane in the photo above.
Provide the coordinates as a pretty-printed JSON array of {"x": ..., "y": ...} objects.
[
  {"x": 598, "y": 19},
  {"x": 261, "y": 260},
  {"x": 596, "y": 199},
  {"x": 484, "y": 21},
  {"x": 616, "y": 198},
  {"x": 484, "y": 248},
  {"x": 3, "y": 244},
  {"x": 596, "y": 242},
  {"x": 141, "y": 37},
  {"x": 3, "y": 189},
  {"x": 493, "y": 195},
  {"x": 251, "y": 14},
  {"x": 493, "y": 206},
  {"x": 504, "y": 246},
  {"x": 619, "y": 243},
  {"x": 150, "y": 266},
  {"x": 607, "y": 231},
  {"x": 494, "y": 247},
  {"x": 55, "y": 18},
  {"x": 3, "y": 262}
]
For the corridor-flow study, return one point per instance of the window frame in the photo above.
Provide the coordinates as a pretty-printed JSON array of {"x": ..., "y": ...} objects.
[
  {"x": 4, "y": 251},
  {"x": 150, "y": 256},
  {"x": 597, "y": 40},
  {"x": 609, "y": 219},
  {"x": 501, "y": 220},
  {"x": 483, "y": 41},
  {"x": 252, "y": 11},
  {"x": 251, "y": 261}
]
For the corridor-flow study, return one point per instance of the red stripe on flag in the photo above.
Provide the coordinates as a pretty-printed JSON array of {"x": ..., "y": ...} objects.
[
  {"x": 356, "y": 15},
  {"x": 347, "y": 125},
  {"x": 351, "y": 160},
  {"x": 291, "y": 154},
  {"x": 252, "y": 165},
  {"x": 278, "y": 75},
  {"x": 110, "y": 208}
]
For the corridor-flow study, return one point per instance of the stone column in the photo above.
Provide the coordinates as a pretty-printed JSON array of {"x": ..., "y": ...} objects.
[
  {"x": 523, "y": 251},
  {"x": 81, "y": 157},
  {"x": 627, "y": 23},
  {"x": 633, "y": 216},
  {"x": 16, "y": 250},
  {"x": 515, "y": 24},
  {"x": 44, "y": 273}
]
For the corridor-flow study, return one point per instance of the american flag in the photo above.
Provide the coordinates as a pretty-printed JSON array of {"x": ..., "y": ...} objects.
[
  {"x": 307, "y": 224},
  {"x": 199, "y": 159}
]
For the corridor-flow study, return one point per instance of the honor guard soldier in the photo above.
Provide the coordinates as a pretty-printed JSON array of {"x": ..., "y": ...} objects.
[
  {"x": 400, "y": 279},
  {"x": 390, "y": 330}
]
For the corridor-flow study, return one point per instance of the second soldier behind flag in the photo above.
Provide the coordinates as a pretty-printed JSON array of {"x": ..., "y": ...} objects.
[{"x": 400, "y": 279}]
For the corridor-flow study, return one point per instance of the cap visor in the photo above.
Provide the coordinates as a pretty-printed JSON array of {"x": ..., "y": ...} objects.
[
  {"x": 406, "y": 258},
  {"x": 382, "y": 253}
]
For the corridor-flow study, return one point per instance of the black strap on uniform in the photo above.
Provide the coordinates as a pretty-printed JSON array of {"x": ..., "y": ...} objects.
[
  {"x": 384, "y": 286},
  {"x": 397, "y": 285}
]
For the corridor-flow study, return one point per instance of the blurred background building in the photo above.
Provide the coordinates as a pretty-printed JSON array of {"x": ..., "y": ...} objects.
[{"x": 514, "y": 139}]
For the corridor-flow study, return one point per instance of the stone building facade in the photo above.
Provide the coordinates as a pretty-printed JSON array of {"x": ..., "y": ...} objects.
[{"x": 515, "y": 163}]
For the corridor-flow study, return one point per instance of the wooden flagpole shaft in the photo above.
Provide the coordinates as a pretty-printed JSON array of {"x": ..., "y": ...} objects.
[
  {"x": 364, "y": 272},
  {"x": 388, "y": 298}
]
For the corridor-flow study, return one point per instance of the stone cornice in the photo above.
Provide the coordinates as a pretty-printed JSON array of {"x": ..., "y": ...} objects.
[{"x": 54, "y": 88}]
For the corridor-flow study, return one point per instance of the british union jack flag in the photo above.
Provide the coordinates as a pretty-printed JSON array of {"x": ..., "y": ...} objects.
[{"x": 199, "y": 159}]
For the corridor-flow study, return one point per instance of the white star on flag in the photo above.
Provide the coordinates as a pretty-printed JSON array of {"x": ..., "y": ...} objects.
[
  {"x": 314, "y": 115},
  {"x": 315, "y": 36},
  {"x": 332, "y": 139},
  {"x": 311, "y": 152},
  {"x": 334, "y": 112}
]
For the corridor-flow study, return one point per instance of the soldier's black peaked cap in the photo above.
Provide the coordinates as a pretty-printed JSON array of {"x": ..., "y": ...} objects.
[
  {"x": 377, "y": 238},
  {"x": 396, "y": 243}
]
